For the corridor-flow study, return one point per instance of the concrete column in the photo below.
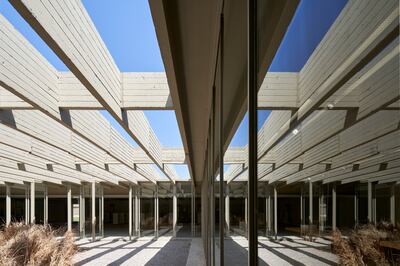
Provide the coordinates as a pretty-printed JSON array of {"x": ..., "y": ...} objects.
[
  {"x": 310, "y": 218},
  {"x": 321, "y": 212},
  {"x": 130, "y": 212},
  {"x": 137, "y": 220},
  {"x": 27, "y": 204},
  {"x": 334, "y": 207},
  {"x": 69, "y": 207},
  {"x": 369, "y": 202},
  {"x": 93, "y": 211},
  {"x": 101, "y": 207},
  {"x": 138, "y": 211},
  {"x": 82, "y": 211},
  {"x": 301, "y": 211},
  {"x": 268, "y": 214},
  {"x": 245, "y": 216},
  {"x": 374, "y": 205},
  {"x": 393, "y": 204},
  {"x": 275, "y": 212},
  {"x": 174, "y": 209},
  {"x": 32, "y": 212},
  {"x": 8, "y": 205},
  {"x": 99, "y": 211},
  {"x": 46, "y": 206},
  {"x": 355, "y": 209},
  {"x": 156, "y": 212},
  {"x": 227, "y": 210}
]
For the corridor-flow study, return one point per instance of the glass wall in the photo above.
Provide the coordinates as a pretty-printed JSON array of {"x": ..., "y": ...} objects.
[
  {"x": 328, "y": 116},
  {"x": 326, "y": 126}
]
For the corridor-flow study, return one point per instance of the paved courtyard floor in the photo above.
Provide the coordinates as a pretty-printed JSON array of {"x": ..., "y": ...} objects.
[
  {"x": 166, "y": 250},
  {"x": 286, "y": 250}
]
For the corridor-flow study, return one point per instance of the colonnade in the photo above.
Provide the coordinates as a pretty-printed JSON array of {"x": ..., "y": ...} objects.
[
  {"x": 97, "y": 193},
  {"x": 271, "y": 208}
]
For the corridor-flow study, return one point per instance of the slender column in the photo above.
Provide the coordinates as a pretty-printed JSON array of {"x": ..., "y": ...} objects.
[
  {"x": 130, "y": 212},
  {"x": 301, "y": 211},
  {"x": 101, "y": 207},
  {"x": 82, "y": 211},
  {"x": 393, "y": 204},
  {"x": 268, "y": 213},
  {"x": 321, "y": 211},
  {"x": 156, "y": 212},
  {"x": 276, "y": 212},
  {"x": 138, "y": 212},
  {"x": 373, "y": 204},
  {"x": 99, "y": 217},
  {"x": 174, "y": 209},
  {"x": 32, "y": 212},
  {"x": 137, "y": 220},
  {"x": 69, "y": 207},
  {"x": 93, "y": 211},
  {"x": 46, "y": 206},
  {"x": 8, "y": 205},
  {"x": 310, "y": 205},
  {"x": 369, "y": 202},
  {"x": 227, "y": 210},
  {"x": 334, "y": 207},
  {"x": 245, "y": 217},
  {"x": 27, "y": 204},
  {"x": 355, "y": 209}
]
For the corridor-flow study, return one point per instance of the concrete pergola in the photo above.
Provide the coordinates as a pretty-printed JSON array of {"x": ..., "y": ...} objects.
[{"x": 318, "y": 132}]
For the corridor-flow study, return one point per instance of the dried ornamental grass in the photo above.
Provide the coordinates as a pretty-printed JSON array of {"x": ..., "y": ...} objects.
[
  {"x": 343, "y": 249},
  {"x": 22, "y": 244},
  {"x": 362, "y": 246}
]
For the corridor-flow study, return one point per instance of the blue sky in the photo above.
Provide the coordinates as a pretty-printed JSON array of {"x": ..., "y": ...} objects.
[
  {"x": 127, "y": 29},
  {"x": 311, "y": 21}
]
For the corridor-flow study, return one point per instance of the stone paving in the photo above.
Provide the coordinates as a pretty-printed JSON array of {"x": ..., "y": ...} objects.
[
  {"x": 166, "y": 250},
  {"x": 287, "y": 250}
]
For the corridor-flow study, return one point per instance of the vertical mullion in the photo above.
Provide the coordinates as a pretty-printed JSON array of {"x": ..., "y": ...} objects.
[
  {"x": 220, "y": 147},
  {"x": 252, "y": 112}
]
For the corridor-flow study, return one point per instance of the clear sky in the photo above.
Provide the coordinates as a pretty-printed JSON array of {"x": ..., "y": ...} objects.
[
  {"x": 312, "y": 20},
  {"x": 127, "y": 29}
]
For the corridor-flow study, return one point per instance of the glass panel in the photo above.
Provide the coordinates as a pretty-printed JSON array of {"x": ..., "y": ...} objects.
[
  {"x": 165, "y": 209},
  {"x": 147, "y": 209},
  {"x": 236, "y": 204},
  {"x": 328, "y": 135}
]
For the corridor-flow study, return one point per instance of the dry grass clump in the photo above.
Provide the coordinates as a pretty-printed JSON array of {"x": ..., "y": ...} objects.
[
  {"x": 22, "y": 244},
  {"x": 362, "y": 246}
]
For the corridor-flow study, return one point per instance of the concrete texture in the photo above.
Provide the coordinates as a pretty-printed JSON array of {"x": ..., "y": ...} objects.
[
  {"x": 166, "y": 250},
  {"x": 287, "y": 250},
  {"x": 142, "y": 251},
  {"x": 196, "y": 253}
]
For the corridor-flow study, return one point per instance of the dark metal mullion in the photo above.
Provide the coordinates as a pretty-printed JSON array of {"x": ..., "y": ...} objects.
[
  {"x": 252, "y": 111},
  {"x": 212, "y": 168},
  {"x": 220, "y": 147}
]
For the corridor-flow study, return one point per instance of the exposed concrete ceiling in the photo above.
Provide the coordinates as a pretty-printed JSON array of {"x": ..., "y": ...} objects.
[{"x": 188, "y": 36}]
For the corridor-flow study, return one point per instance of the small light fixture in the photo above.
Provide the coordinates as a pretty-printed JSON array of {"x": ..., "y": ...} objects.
[{"x": 295, "y": 131}]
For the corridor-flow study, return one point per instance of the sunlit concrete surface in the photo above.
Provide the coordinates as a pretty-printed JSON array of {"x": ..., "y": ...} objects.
[
  {"x": 286, "y": 250},
  {"x": 143, "y": 251}
]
